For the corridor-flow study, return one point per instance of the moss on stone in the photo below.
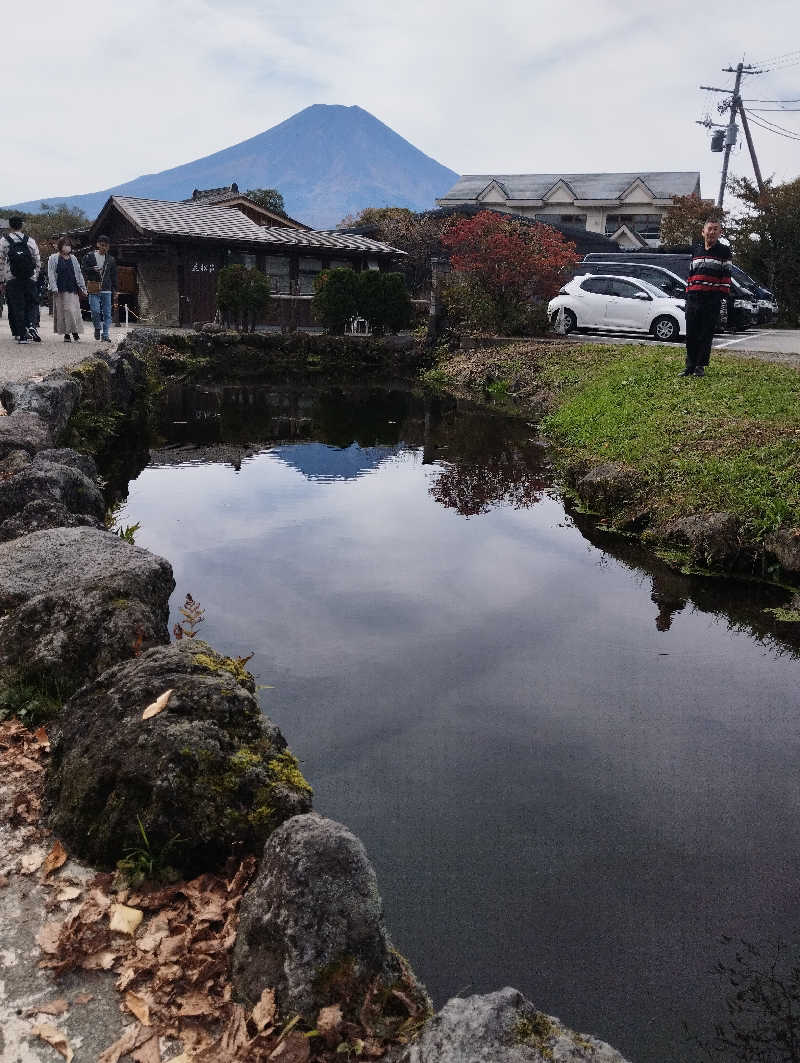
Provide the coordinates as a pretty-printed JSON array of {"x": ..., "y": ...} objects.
[
  {"x": 786, "y": 616},
  {"x": 285, "y": 769},
  {"x": 538, "y": 1031},
  {"x": 215, "y": 662}
]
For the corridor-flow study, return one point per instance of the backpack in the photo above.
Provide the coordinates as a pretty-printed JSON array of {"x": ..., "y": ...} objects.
[{"x": 20, "y": 259}]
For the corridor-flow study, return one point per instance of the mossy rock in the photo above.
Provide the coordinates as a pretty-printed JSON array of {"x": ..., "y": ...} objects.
[{"x": 207, "y": 777}]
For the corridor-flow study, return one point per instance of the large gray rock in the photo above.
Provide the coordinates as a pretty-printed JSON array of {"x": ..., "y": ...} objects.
[
  {"x": 711, "y": 538},
  {"x": 53, "y": 398},
  {"x": 208, "y": 776},
  {"x": 64, "y": 456},
  {"x": 608, "y": 487},
  {"x": 40, "y": 515},
  {"x": 51, "y": 482},
  {"x": 785, "y": 545},
  {"x": 501, "y": 1027},
  {"x": 74, "y": 601},
  {"x": 57, "y": 488},
  {"x": 311, "y": 928},
  {"x": 23, "y": 431}
]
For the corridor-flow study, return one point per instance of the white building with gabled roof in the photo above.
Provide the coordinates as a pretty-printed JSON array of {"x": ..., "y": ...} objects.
[{"x": 626, "y": 207}]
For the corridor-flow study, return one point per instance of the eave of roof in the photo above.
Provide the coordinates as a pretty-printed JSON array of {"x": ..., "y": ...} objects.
[{"x": 194, "y": 221}]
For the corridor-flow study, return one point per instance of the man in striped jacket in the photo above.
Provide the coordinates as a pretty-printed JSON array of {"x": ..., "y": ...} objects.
[{"x": 709, "y": 283}]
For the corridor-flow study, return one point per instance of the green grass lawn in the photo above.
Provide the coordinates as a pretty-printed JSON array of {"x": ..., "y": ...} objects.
[{"x": 728, "y": 441}]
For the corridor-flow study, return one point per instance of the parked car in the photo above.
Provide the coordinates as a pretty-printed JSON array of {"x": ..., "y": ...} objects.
[
  {"x": 737, "y": 314},
  {"x": 617, "y": 304},
  {"x": 766, "y": 303}
]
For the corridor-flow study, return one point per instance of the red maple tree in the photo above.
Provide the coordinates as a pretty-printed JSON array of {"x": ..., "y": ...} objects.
[{"x": 513, "y": 260}]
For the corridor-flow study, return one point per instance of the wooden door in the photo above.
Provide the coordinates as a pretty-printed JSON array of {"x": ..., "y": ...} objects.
[{"x": 198, "y": 289}]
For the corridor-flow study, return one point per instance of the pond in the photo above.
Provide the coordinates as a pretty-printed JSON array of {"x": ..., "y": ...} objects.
[{"x": 573, "y": 768}]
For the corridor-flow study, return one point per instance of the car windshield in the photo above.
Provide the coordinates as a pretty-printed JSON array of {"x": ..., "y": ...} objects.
[{"x": 651, "y": 289}]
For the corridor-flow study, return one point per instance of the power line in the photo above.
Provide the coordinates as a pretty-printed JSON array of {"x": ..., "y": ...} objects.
[
  {"x": 777, "y": 132},
  {"x": 774, "y": 58},
  {"x": 775, "y": 110},
  {"x": 780, "y": 128},
  {"x": 752, "y": 99}
]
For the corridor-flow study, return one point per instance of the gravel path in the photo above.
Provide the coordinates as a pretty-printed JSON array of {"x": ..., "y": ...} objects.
[{"x": 18, "y": 361}]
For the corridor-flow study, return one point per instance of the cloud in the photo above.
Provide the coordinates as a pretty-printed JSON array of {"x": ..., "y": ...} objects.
[{"x": 509, "y": 87}]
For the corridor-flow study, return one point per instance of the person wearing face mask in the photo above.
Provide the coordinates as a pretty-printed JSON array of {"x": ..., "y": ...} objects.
[{"x": 65, "y": 281}]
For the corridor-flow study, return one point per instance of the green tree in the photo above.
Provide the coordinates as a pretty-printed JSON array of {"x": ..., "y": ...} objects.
[
  {"x": 335, "y": 298},
  {"x": 384, "y": 301},
  {"x": 682, "y": 223},
  {"x": 269, "y": 198},
  {"x": 418, "y": 235},
  {"x": 242, "y": 296},
  {"x": 766, "y": 240},
  {"x": 50, "y": 222}
]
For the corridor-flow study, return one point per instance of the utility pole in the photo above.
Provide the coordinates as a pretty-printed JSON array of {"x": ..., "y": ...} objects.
[
  {"x": 751, "y": 148},
  {"x": 730, "y": 137}
]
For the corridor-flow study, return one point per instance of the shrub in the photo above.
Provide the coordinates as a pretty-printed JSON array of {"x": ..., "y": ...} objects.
[
  {"x": 384, "y": 301},
  {"x": 335, "y": 298},
  {"x": 242, "y": 296}
]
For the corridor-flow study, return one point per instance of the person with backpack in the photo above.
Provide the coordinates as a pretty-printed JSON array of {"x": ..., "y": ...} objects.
[
  {"x": 19, "y": 270},
  {"x": 66, "y": 280}
]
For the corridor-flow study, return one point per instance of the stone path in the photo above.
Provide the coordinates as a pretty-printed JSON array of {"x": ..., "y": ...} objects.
[{"x": 18, "y": 361}]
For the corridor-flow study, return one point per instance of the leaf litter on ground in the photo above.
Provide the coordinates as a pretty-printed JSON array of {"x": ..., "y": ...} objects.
[{"x": 170, "y": 949}]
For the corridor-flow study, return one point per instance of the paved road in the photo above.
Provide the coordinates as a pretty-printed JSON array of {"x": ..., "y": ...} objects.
[
  {"x": 21, "y": 360},
  {"x": 771, "y": 345}
]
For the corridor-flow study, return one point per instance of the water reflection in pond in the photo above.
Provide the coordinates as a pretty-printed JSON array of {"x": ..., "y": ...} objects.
[{"x": 572, "y": 768}]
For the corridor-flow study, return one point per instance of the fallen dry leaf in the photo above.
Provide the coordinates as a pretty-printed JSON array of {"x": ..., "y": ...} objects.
[
  {"x": 124, "y": 920},
  {"x": 45, "y": 1032},
  {"x": 32, "y": 860},
  {"x": 157, "y": 706},
  {"x": 329, "y": 1019},
  {"x": 42, "y": 739},
  {"x": 264, "y": 1011},
  {"x": 148, "y": 1052},
  {"x": 48, "y": 936},
  {"x": 69, "y": 893},
  {"x": 132, "y": 1037},
  {"x": 293, "y": 1049},
  {"x": 139, "y": 1007},
  {"x": 83, "y": 998},
  {"x": 55, "y": 1007},
  {"x": 54, "y": 859},
  {"x": 103, "y": 960}
]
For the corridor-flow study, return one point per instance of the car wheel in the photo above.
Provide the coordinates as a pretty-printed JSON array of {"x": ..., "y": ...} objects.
[
  {"x": 563, "y": 321},
  {"x": 665, "y": 329}
]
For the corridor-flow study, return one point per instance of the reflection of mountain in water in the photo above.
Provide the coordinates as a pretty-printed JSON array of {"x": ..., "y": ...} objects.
[{"x": 318, "y": 461}]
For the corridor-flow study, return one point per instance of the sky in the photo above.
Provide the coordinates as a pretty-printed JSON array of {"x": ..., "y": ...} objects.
[{"x": 514, "y": 86}]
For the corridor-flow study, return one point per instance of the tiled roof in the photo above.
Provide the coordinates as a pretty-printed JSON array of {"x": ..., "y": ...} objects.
[
  {"x": 663, "y": 184},
  {"x": 196, "y": 219}
]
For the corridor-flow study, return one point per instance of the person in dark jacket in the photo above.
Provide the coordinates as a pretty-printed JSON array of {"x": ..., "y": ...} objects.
[
  {"x": 708, "y": 284},
  {"x": 100, "y": 271}
]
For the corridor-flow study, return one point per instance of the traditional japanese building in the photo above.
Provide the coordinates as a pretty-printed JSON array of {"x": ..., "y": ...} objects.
[{"x": 170, "y": 254}]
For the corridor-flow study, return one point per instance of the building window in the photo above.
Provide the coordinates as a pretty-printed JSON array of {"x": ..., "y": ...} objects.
[
  {"x": 563, "y": 219},
  {"x": 310, "y": 268},
  {"x": 241, "y": 258},
  {"x": 373, "y": 263},
  {"x": 277, "y": 268},
  {"x": 341, "y": 263},
  {"x": 646, "y": 225}
]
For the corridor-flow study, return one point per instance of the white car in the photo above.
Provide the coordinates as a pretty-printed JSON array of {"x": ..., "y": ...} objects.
[{"x": 617, "y": 304}]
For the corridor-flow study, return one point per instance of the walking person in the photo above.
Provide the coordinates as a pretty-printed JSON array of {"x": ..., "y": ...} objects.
[
  {"x": 100, "y": 270},
  {"x": 709, "y": 283},
  {"x": 66, "y": 280},
  {"x": 20, "y": 263}
]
